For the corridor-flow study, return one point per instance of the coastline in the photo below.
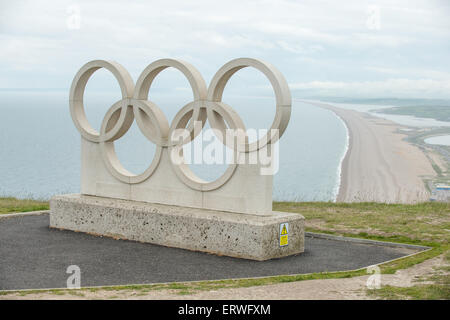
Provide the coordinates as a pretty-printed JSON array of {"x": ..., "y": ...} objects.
[
  {"x": 378, "y": 164},
  {"x": 343, "y": 162}
]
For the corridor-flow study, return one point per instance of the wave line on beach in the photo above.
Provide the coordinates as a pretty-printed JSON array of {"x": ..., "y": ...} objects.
[{"x": 337, "y": 186}]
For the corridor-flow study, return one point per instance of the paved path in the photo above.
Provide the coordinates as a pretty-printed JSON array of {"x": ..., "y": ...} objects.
[{"x": 35, "y": 256}]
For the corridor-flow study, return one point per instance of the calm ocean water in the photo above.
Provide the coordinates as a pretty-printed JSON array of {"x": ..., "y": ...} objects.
[{"x": 40, "y": 147}]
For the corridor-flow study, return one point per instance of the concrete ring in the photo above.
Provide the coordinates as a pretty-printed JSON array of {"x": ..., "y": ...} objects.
[
  {"x": 151, "y": 121},
  {"x": 194, "y": 77},
  {"x": 182, "y": 170},
  {"x": 282, "y": 94},
  {"x": 149, "y": 117},
  {"x": 77, "y": 92},
  {"x": 183, "y": 121}
]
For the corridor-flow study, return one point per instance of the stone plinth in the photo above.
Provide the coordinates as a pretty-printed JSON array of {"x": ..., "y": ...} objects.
[{"x": 255, "y": 237}]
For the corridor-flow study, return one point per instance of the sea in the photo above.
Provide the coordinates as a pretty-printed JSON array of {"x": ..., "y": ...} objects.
[{"x": 40, "y": 146}]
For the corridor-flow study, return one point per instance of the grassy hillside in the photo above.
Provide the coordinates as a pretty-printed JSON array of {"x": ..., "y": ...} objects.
[
  {"x": 425, "y": 223},
  {"x": 428, "y": 221}
]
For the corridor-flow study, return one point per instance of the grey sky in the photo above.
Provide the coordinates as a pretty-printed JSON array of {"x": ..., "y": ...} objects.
[{"x": 331, "y": 48}]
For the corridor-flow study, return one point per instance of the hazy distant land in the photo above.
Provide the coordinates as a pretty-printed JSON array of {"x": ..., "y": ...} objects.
[
  {"x": 438, "y": 109},
  {"x": 398, "y": 102},
  {"x": 441, "y": 113}
]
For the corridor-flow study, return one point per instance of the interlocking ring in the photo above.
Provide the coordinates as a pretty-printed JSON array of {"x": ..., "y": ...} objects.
[{"x": 206, "y": 105}]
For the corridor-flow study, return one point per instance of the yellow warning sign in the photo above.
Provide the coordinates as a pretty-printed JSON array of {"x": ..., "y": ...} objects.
[
  {"x": 283, "y": 240},
  {"x": 284, "y": 234}
]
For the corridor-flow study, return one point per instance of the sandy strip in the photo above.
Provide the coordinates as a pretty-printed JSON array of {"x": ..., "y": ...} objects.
[{"x": 379, "y": 166}]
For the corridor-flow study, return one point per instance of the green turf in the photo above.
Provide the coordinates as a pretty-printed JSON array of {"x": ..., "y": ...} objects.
[{"x": 8, "y": 205}]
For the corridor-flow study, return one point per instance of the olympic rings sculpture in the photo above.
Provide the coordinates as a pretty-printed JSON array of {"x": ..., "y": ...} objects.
[{"x": 206, "y": 105}]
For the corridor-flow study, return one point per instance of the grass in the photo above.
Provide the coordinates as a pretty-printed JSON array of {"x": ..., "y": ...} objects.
[
  {"x": 419, "y": 292},
  {"x": 422, "y": 224},
  {"x": 439, "y": 289},
  {"x": 9, "y": 205},
  {"x": 415, "y": 223}
]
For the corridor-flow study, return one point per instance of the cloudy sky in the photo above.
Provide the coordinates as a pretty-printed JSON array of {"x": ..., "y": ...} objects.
[{"x": 324, "y": 48}]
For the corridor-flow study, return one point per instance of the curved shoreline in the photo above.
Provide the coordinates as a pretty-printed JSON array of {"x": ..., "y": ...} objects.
[
  {"x": 343, "y": 162},
  {"x": 378, "y": 164}
]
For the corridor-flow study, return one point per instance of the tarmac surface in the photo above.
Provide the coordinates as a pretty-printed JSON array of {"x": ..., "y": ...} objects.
[{"x": 34, "y": 256}]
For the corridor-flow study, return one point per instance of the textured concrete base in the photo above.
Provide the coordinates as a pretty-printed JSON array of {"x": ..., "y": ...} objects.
[{"x": 232, "y": 234}]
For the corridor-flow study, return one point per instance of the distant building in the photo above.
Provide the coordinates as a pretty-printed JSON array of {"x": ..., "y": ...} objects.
[{"x": 441, "y": 193}]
